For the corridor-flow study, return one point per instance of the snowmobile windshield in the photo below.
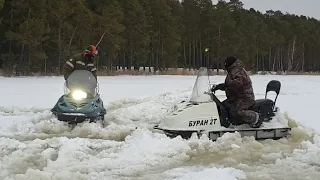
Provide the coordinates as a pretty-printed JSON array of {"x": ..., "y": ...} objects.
[
  {"x": 82, "y": 80},
  {"x": 201, "y": 87}
]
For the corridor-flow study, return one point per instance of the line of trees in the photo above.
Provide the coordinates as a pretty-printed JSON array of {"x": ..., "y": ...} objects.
[{"x": 38, "y": 36}]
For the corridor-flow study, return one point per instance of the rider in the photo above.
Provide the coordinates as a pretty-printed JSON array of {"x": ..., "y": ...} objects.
[
  {"x": 81, "y": 61},
  {"x": 239, "y": 91}
]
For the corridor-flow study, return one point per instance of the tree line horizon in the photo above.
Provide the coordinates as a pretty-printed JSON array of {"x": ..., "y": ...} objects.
[{"x": 39, "y": 36}]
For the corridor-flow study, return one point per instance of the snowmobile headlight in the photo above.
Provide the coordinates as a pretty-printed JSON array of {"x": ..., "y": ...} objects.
[{"x": 78, "y": 95}]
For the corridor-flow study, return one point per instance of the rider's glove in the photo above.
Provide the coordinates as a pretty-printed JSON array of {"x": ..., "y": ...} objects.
[{"x": 221, "y": 87}]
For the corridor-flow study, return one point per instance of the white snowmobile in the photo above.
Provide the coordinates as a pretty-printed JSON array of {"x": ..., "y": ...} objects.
[{"x": 206, "y": 114}]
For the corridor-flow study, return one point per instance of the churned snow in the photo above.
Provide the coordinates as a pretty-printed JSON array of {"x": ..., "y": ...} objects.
[{"x": 34, "y": 145}]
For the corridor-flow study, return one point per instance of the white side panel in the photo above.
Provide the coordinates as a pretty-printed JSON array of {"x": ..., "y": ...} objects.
[{"x": 194, "y": 117}]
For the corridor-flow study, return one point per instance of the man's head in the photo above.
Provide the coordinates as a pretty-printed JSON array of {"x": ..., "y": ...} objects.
[
  {"x": 229, "y": 61},
  {"x": 90, "y": 53}
]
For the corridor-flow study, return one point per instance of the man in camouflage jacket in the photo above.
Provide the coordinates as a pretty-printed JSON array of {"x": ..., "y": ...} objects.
[
  {"x": 81, "y": 61},
  {"x": 239, "y": 91}
]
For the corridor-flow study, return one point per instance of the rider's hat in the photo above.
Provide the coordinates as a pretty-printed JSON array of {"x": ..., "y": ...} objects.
[{"x": 91, "y": 50}]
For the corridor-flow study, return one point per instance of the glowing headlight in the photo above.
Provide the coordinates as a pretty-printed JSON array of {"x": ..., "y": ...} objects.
[{"x": 78, "y": 95}]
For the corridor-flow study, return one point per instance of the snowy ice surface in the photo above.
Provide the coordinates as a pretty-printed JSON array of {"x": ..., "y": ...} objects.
[{"x": 33, "y": 145}]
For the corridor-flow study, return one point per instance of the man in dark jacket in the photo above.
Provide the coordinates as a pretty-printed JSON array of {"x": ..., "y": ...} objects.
[
  {"x": 81, "y": 61},
  {"x": 239, "y": 91}
]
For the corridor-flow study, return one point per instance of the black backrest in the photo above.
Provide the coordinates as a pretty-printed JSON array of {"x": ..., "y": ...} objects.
[{"x": 274, "y": 85}]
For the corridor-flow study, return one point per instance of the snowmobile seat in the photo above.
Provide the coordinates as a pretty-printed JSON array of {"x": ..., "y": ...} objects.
[
  {"x": 266, "y": 106},
  {"x": 261, "y": 104}
]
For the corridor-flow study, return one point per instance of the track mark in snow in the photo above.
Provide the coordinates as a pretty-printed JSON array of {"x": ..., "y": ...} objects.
[
  {"x": 18, "y": 111},
  {"x": 122, "y": 118},
  {"x": 146, "y": 112},
  {"x": 86, "y": 130},
  {"x": 123, "y": 103},
  {"x": 124, "y": 115}
]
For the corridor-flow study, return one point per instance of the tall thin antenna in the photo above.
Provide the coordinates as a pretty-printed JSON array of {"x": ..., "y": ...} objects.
[{"x": 101, "y": 38}]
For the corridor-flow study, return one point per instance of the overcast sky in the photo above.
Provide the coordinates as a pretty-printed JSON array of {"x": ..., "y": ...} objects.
[{"x": 309, "y": 8}]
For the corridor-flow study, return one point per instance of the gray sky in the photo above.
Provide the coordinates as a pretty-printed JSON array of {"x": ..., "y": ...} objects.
[{"x": 300, "y": 7}]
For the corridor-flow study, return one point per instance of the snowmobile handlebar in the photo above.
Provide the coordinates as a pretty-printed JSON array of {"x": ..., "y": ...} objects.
[{"x": 213, "y": 90}]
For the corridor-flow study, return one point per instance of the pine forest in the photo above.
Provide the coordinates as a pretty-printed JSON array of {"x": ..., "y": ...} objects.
[{"x": 39, "y": 36}]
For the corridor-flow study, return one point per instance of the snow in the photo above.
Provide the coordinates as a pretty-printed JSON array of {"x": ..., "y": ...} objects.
[{"x": 33, "y": 145}]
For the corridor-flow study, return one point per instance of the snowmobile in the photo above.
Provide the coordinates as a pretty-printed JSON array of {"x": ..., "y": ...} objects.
[
  {"x": 81, "y": 100},
  {"x": 204, "y": 113}
]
